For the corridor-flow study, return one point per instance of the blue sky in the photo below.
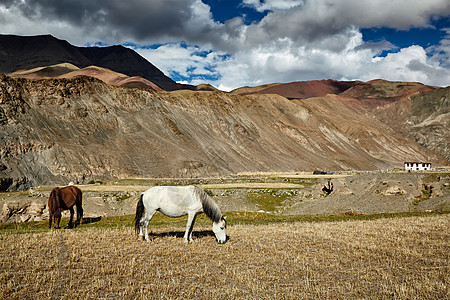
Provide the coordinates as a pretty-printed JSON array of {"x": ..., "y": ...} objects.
[{"x": 235, "y": 43}]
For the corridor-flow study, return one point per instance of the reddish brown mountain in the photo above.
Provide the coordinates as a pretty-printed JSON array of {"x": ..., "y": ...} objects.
[
  {"x": 378, "y": 93},
  {"x": 301, "y": 89},
  {"x": 67, "y": 70}
]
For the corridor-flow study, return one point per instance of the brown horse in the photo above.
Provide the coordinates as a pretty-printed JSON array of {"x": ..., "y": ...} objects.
[{"x": 64, "y": 199}]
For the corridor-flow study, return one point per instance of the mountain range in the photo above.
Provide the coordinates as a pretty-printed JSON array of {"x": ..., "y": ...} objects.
[
  {"x": 29, "y": 52},
  {"x": 68, "y": 114}
]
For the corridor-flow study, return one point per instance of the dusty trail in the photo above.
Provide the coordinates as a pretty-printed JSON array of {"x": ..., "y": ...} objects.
[{"x": 62, "y": 274}]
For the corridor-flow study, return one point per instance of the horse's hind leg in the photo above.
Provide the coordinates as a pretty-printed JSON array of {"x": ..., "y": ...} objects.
[
  {"x": 189, "y": 227},
  {"x": 50, "y": 218},
  {"x": 79, "y": 215},
  {"x": 145, "y": 220}
]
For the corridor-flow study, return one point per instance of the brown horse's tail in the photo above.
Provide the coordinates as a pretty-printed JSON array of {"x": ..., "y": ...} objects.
[
  {"x": 139, "y": 213},
  {"x": 53, "y": 205}
]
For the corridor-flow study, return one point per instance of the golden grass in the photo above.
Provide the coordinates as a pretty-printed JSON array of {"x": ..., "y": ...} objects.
[{"x": 395, "y": 258}]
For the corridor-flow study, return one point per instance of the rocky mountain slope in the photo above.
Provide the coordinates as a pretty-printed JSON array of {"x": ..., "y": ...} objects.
[
  {"x": 59, "y": 130},
  {"x": 417, "y": 111},
  {"x": 28, "y": 52},
  {"x": 426, "y": 119}
]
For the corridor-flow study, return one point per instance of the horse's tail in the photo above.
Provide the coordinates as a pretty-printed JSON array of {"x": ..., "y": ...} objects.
[
  {"x": 54, "y": 201},
  {"x": 53, "y": 204},
  {"x": 139, "y": 213}
]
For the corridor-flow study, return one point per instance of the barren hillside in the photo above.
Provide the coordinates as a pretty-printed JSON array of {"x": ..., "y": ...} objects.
[
  {"x": 415, "y": 110},
  {"x": 424, "y": 117},
  {"x": 55, "y": 131}
]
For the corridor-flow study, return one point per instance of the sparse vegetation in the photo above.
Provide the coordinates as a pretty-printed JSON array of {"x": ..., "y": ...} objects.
[
  {"x": 427, "y": 190},
  {"x": 399, "y": 257},
  {"x": 269, "y": 199},
  {"x": 121, "y": 196}
]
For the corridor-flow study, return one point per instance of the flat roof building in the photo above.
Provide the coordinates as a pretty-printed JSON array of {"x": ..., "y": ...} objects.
[{"x": 417, "y": 166}]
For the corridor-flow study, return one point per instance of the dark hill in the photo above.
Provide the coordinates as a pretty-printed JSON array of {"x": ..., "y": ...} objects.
[{"x": 19, "y": 52}]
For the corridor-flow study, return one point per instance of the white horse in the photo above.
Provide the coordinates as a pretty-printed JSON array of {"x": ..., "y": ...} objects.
[{"x": 177, "y": 201}]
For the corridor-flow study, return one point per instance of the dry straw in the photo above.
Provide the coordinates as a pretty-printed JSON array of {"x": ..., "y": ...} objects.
[{"x": 397, "y": 258}]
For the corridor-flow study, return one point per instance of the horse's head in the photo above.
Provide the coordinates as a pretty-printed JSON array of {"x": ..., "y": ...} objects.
[{"x": 219, "y": 229}]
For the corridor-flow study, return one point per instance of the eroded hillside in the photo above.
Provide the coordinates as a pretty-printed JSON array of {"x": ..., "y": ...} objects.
[
  {"x": 427, "y": 119},
  {"x": 415, "y": 110},
  {"x": 55, "y": 131}
]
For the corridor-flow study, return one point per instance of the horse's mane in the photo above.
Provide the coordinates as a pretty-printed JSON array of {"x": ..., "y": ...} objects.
[{"x": 210, "y": 208}]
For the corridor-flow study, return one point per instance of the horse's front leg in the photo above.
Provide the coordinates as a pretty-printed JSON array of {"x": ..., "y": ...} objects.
[
  {"x": 50, "y": 218},
  {"x": 70, "y": 225},
  {"x": 57, "y": 216},
  {"x": 189, "y": 227}
]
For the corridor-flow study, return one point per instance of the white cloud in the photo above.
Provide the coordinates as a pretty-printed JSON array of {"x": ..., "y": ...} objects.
[
  {"x": 440, "y": 53},
  {"x": 179, "y": 60},
  {"x": 316, "y": 20},
  {"x": 409, "y": 64},
  {"x": 279, "y": 61},
  {"x": 296, "y": 40},
  {"x": 272, "y": 4}
]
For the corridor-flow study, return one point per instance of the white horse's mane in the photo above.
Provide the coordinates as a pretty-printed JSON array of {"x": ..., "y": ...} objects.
[{"x": 210, "y": 208}]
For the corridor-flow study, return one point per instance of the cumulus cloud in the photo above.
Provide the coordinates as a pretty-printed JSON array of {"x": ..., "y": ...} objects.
[
  {"x": 191, "y": 21},
  {"x": 271, "y": 4},
  {"x": 294, "y": 40},
  {"x": 441, "y": 53},
  {"x": 319, "y": 19},
  {"x": 113, "y": 21},
  {"x": 187, "y": 64}
]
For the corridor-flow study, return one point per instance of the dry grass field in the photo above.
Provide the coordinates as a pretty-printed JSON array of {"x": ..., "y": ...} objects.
[{"x": 395, "y": 258}]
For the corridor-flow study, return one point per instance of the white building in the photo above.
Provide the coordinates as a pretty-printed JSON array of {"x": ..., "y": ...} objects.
[{"x": 417, "y": 166}]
